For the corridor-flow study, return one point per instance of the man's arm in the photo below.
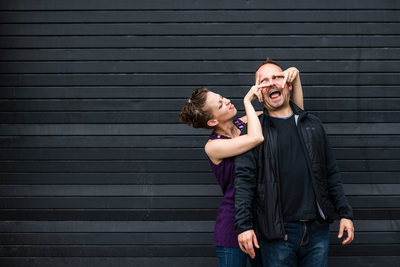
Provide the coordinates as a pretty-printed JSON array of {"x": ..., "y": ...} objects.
[
  {"x": 335, "y": 186},
  {"x": 245, "y": 183},
  {"x": 337, "y": 196}
]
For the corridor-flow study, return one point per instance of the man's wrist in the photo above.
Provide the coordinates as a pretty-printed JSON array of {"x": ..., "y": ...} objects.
[
  {"x": 242, "y": 230},
  {"x": 347, "y": 218}
]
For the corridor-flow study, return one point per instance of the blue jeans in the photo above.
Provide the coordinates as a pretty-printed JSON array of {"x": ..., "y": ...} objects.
[
  {"x": 234, "y": 257},
  {"x": 307, "y": 245},
  {"x": 231, "y": 257}
]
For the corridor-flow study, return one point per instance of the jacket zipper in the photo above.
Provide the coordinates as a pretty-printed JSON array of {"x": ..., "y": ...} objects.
[{"x": 285, "y": 236}]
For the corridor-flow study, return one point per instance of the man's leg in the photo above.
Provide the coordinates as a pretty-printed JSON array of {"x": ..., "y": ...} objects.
[
  {"x": 314, "y": 250},
  {"x": 282, "y": 253}
]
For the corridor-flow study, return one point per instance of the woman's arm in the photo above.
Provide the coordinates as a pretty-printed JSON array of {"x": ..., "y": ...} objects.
[
  {"x": 292, "y": 75},
  {"x": 219, "y": 149}
]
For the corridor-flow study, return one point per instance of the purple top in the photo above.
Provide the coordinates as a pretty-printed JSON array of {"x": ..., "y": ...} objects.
[{"x": 225, "y": 234}]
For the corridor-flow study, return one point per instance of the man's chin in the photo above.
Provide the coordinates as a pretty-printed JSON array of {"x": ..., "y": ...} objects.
[{"x": 273, "y": 106}]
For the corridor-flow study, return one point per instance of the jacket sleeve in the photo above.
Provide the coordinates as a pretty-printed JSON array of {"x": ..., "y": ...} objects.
[
  {"x": 335, "y": 186},
  {"x": 245, "y": 184}
]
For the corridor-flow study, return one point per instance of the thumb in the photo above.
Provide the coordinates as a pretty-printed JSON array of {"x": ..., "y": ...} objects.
[
  {"x": 255, "y": 241},
  {"x": 341, "y": 230}
]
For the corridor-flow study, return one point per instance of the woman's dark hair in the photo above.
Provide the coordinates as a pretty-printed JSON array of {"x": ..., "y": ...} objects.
[{"x": 193, "y": 112}]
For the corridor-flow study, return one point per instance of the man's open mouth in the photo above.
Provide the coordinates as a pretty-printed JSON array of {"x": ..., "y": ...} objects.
[{"x": 274, "y": 94}]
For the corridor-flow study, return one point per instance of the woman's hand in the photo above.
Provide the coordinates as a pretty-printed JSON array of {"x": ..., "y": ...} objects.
[
  {"x": 289, "y": 75},
  {"x": 254, "y": 93}
]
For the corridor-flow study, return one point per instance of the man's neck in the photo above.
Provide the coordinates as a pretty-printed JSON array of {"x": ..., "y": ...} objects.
[{"x": 283, "y": 112}]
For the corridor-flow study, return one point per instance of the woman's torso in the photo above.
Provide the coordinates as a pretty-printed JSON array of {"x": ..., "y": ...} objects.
[{"x": 224, "y": 231}]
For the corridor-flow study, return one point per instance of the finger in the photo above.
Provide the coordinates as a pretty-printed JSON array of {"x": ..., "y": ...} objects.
[
  {"x": 255, "y": 241},
  {"x": 257, "y": 78},
  {"x": 242, "y": 247},
  {"x": 259, "y": 97},
  {"x": 341, "y": 230},
  {"x": 347, "y": 240},
  {"x": 350, "y": 234},
  {"x": 289, "y": 78},
  {"x": 250, "y": 249},
  {"x": 256, "y": 92},
  {"x": 284, "y": 81},
  {"x": 263, "y": 90},
  {"x": 261, "y": 86},
  {"x": 294, "y": 74}
]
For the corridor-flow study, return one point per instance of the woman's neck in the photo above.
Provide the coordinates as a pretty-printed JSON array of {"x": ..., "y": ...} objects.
[{"x": 228, "y": 129}]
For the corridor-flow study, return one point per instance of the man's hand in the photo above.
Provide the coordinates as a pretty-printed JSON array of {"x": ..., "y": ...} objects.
[
  {"x": 346, "y": 225},
  {"x": 246, "y": 240}
]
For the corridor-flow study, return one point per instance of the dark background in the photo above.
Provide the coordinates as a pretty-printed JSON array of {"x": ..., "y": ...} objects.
[{"x": 96, "y": 169}]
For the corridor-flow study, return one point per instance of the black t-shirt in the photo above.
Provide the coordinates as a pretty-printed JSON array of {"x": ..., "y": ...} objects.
[{"x": 297, "y": 195}]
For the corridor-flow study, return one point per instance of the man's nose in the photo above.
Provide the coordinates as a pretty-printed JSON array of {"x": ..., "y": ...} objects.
[{"x": 271, "y": 82}]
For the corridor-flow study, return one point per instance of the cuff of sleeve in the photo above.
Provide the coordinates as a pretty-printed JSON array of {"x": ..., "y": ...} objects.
[
  {"x": 347, "y": 217},
  {"x": 244, "y": 229}
]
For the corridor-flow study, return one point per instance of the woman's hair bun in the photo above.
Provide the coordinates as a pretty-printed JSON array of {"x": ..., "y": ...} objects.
[{"x": 193, "y": 112}]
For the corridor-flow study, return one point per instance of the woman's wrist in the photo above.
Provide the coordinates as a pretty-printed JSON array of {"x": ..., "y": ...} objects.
[{"x": 246, "y": 101}]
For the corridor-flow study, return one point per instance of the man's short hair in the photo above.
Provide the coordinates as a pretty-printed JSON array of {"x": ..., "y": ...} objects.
[{"x": 267, "y": 61}]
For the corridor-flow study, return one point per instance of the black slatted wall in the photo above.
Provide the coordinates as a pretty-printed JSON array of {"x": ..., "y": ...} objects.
[{"x": 96, "y": 169}]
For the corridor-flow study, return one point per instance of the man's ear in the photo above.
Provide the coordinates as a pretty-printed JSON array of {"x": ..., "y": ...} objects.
[
  {"x": 290, "y": 86},
  {"x": 212, "y": 123}
]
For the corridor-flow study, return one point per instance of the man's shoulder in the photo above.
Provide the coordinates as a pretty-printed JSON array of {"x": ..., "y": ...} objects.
[
  {"x": 244, "y": 130},
  {"x": 313, "y": 118}
]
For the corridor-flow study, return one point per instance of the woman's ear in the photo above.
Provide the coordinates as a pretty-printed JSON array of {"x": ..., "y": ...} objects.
[{"x": 212, "y": 123}]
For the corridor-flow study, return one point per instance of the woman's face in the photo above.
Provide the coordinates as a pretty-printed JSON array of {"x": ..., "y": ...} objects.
[{"x": 221, "y": 108}]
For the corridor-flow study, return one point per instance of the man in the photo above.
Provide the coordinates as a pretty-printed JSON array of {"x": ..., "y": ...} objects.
[{"x": 289, "y": 188}]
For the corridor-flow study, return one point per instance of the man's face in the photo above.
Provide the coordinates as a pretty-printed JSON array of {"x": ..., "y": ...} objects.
[{"x": 274, "y": 96}]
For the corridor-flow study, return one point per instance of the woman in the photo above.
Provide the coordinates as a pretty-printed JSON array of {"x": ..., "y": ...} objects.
[{"x": 206, "y": 109}]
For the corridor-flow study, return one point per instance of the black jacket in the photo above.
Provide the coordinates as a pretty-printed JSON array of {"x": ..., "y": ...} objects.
[{"x": 257, "y": 194}]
